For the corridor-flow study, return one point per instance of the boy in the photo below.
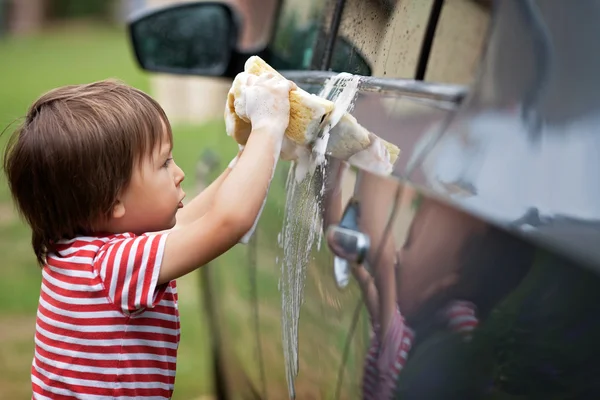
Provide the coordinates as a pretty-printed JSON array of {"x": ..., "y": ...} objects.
[{"x": 91, "y": 171}]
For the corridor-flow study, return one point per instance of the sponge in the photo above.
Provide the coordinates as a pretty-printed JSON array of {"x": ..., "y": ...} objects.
[{"x": 307, "y": 111}]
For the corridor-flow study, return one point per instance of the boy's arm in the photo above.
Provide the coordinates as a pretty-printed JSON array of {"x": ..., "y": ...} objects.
[{"x": 238, "y": 199}]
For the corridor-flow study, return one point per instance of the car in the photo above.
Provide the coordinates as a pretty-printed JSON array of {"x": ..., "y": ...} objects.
[{"x": 470, "y": 270}]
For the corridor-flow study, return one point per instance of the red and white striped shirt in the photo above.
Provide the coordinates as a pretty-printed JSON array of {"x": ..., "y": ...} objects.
[{"x": 104, "y": 329}]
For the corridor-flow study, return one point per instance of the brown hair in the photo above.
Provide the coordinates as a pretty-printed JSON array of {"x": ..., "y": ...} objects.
[{"x": 75, "y": 152}]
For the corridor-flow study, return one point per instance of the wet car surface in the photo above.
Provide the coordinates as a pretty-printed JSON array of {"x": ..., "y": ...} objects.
[{"x": 483, "y": 242}]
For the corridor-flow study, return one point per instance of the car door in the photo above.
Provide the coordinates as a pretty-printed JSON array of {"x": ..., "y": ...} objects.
[
  {"x": 454, "y": 276},
  {"x": 303, "y": 335}
]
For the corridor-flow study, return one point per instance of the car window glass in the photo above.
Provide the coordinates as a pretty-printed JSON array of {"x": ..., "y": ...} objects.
[
  {"x": 390, "y": 34},
  {"x": 387, "y": 33},
  {"x": 459, "y": 42},
  {"x": 300, "y": 40}
]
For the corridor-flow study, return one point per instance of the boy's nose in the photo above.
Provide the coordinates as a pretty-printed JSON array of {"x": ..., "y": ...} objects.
[{"x": 179, "y": 175}]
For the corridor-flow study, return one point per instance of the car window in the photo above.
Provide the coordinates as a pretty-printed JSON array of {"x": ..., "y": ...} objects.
[
  {"x": 300, "y": 40},
  {"x": 459, "y": 42},
  {"x": 390, "y": 34}
]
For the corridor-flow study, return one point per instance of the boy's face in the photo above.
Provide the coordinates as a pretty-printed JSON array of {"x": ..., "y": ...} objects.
[{"x": 151, "y": 200}]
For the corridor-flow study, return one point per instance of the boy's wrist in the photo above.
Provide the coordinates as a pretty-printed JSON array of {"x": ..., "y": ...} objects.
[{"x": 273, "y": 129}]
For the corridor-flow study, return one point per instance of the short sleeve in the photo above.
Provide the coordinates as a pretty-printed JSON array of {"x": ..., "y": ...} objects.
[{"x": 129, "y": 267}]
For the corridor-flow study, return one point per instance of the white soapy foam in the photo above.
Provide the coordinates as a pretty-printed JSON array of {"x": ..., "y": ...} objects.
[
  {"x": 233, "y": 162},
  {"x": 342, "y": 90},
  {"x": 302, "y": 226},
  {"x": 374, "y": 158},
  {"x": 239, "y": 103},
  {"x": 229, "y": 115},
  {"x": 229, "y": 121}
]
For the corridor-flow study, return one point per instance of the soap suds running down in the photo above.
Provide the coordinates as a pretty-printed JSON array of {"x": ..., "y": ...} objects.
[
  {"x": 375, "y": 158},
  {"x": 302, "y": 225},
  {"x": 342, "y": 90}
]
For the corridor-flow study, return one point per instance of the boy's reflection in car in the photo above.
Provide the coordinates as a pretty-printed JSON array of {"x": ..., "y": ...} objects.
[{"x": 445, "y": 278}]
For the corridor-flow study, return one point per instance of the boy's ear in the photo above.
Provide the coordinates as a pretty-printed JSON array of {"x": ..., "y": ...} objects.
[{"x": 118, "y": 210}]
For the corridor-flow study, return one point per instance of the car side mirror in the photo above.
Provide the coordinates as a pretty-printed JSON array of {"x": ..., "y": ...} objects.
[{"x": 198, "y": 38}]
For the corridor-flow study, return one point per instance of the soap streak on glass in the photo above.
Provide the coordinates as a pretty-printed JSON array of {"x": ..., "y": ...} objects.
[{"x": 302, "y": 225}]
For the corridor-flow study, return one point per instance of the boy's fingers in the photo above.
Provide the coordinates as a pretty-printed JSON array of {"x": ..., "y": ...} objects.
[
  {"x": 264, "y": 77},
  {"x": 247, "y": 79},
  {"x": 251, "y": 80}
]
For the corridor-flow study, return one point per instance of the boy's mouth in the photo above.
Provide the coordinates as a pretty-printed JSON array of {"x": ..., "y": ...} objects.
[{"x": 180, "y": 205}]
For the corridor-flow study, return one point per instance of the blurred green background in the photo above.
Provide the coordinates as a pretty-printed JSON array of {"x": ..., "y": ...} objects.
[
  {"x": 70, "y": 44},
  {"x": 70, "y": 53},
  {"x": 82, "y": 44},
  {"x": 33, "y": 64}
]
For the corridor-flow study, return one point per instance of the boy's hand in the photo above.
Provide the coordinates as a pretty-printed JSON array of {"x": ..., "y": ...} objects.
[{"x": 265, "y": 102}]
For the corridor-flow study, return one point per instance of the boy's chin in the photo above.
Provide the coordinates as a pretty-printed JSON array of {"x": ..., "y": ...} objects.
[
  {"x": 166, "y": 226},
  {"x": 172, "y": 224}
]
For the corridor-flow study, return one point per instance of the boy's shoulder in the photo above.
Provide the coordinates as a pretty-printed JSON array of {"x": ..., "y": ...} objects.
[
  {"x": 92, "y": 243},
  {"x": 96, "y": 243},
  {"x": 96, "y": 239}
]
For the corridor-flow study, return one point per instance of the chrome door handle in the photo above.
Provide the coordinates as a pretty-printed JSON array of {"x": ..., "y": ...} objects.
[{"x": 347, "y": 243}]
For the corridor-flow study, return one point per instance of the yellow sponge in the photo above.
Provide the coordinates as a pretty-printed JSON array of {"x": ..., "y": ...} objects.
[{"x": 306, "y": 110}]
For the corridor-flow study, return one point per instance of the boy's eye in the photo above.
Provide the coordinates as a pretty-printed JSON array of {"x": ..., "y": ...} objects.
[{"x": 167, "y": 162}]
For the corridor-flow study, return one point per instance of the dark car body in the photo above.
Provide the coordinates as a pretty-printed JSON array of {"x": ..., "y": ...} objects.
[{"x": 494, "y": 202}]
